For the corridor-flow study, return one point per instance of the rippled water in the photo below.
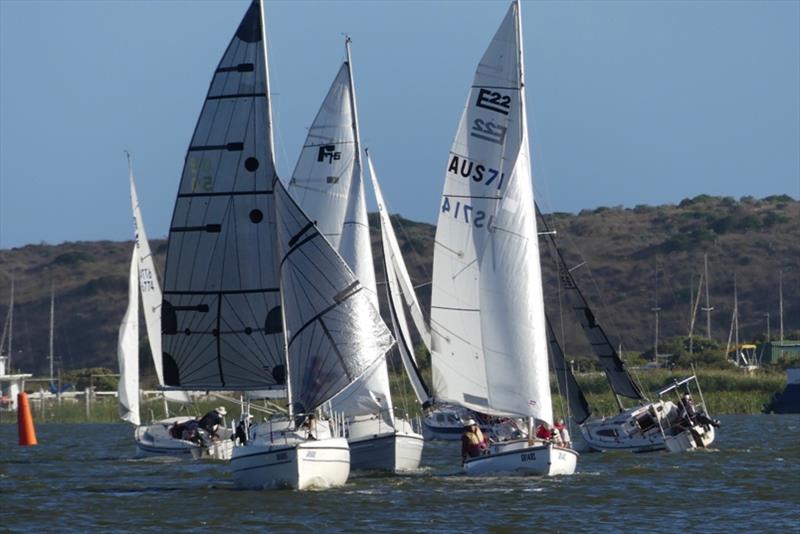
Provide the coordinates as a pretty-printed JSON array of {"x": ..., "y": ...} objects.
[{"x": 83, "y": 477}]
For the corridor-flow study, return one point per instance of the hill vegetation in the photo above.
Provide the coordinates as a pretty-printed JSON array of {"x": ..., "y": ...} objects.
[{"x": 615, "y": 254}]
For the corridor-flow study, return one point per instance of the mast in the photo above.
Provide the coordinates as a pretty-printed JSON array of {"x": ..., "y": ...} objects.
[
  {"x": 736, "y": 319},
  {"x": 655, "y": 309},
  {"x": 354, "y": 110},
  {"x": 707, "y": 307},
  {"x": 52, "y": 320},
  {"x": 271, "y": 148},
  {"x": 780, "y": 305},
  {"x": 11, "y": 324}
]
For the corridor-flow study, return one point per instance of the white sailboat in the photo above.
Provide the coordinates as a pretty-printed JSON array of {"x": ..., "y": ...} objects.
[
  {"x": 327, "y": 184},
  {"x": 487, "y": 313},
  {"x": 155, "y": 438},
  {"x": 255, "y": 296}
]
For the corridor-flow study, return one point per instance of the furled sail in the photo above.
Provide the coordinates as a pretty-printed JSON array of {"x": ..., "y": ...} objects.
[
  {"x": 578, "y": 405},
  {"x": 487, "y": 314},
  {"x": 128, "y": 350},
  {"x": 400, "y": 296},
  {"x": 328, "y": 186},
  {"x": 334, "y": 333},
  {"x": 617, "y": 375},
  {"x": 150, "y": 289},
  {"x": 221, "y": 308}
]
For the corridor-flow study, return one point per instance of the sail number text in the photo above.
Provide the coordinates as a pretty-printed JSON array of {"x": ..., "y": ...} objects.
[
  {"x": 493, "y": 101},
  {"x": 464, "y": 212},
  {"x": 478, "y": 172}
]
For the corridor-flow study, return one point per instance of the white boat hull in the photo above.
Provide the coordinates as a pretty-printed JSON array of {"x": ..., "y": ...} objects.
[
  {"x": 375, "y": 445},
  {"x": 518, "y": 458},
  {"x": 155, "y": 440},
  {"x": 698, "y": 437},
  {"x": 308, "y": 464}
]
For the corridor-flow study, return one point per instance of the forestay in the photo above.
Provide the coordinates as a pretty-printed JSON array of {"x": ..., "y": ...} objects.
[
  {"x": 400, "y": 296},
  {"x": 128, "y": 350},
  {"x": 617, "y": 375},
  {"x": 220, "y": 326},
  {"x": 150, "y": 289},
  {"x": 487, "y": 315},
  {"x": 328, "y": 186}
]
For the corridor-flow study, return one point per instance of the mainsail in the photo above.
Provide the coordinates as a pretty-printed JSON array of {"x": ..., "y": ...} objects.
[
  {"x": 327, "y": 184},
  {"x": 617, "y": 375},
  {"x": 400, "y": 296},
  {"x": 250, "y": 282},
  {"x": 150, "y": 289},
  {"x": 128, "y": 350},
  {"x": 487, "y": 315}
]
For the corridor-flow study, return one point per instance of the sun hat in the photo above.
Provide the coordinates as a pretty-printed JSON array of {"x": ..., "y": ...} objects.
[
  {"x": 470, "y": 422},
  {"x": 222, "y": 411}
]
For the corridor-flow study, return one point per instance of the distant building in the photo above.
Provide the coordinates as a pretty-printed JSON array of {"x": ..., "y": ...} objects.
[
  {"x": 772, "y": 351},
  {"x": 10, "y": 386}
]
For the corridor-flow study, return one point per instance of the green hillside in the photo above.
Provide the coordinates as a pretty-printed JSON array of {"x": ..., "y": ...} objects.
[{"x": 621, "y": 248}]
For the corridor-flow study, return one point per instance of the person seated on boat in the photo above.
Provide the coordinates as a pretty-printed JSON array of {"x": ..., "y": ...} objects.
[
  {"x": 310, "y": 425},
  {"x": 543, "y": 432},
  {"x": 240, "y": 434},
  {"x": 563, "y": 432},
  {"x": 473, "y": 442},
  {"x": 211, "y": 421},
  {"x": 190, "y": 432},
  {"x": 692, "y": 414}
]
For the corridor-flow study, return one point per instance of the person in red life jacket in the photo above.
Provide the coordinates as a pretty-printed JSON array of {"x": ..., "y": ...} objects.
[
  {"x": 543, "y": 432},
  {"x": 473, "y": 442},
  {"x": 563, "y": 433}
]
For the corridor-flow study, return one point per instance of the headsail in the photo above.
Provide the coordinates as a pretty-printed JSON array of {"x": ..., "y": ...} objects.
[
  {"x": 328, "y": 186},
  {"x": 128, "y": 350},
  {"x": 487, "y": 314},
  {"x": 150, "y": 289},
  {"x": 398, "y": 291},
  {"x": 334, "y": 333},
  {"x": 566, "y": 379},
  {"x": 617, "y": 375},
  {"x": 221, "y": 308}
]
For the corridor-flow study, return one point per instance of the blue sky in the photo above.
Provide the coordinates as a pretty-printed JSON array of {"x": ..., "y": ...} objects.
[{"x": 629, "y": 102}]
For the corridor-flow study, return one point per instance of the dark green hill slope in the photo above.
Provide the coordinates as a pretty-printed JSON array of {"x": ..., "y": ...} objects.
[{"x": 621, "y": 247}]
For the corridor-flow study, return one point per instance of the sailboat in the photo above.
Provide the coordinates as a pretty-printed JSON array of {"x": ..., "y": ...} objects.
[
  {"x": 155, "y": 438},
  {"x": 647, "y": 426},
  {"x": 489, "y": 340},
  {"x": 255, "y": 297},
  {"x": 327, "y": 184}
]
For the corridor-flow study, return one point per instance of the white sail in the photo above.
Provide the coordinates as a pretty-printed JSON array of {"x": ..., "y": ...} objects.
[
  {"x": 400, "y": 295},
  {"x": 327, "y": 184},
  {"x": 128, "y": 350},
  {"x": 487, "y": 315},
  {"x": 150, "y": 289}
]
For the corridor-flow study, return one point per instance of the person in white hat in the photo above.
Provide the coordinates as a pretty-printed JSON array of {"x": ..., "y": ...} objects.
[
  {"x": 473, "y": 442},
  {"x": 212, "y": 420}
]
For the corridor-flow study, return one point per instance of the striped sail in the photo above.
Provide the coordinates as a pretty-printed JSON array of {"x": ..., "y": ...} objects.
[
  {"x": 487, "y": 315},
  {"x": 327, "y": 184},
  {"x": 128, "y": 350},
  {"x": 250, "y": 283},
  {"x": 334, "y": 334}
]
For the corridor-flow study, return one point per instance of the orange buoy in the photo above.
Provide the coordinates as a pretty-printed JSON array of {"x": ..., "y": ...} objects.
[{"x": 27, "y": 434}]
